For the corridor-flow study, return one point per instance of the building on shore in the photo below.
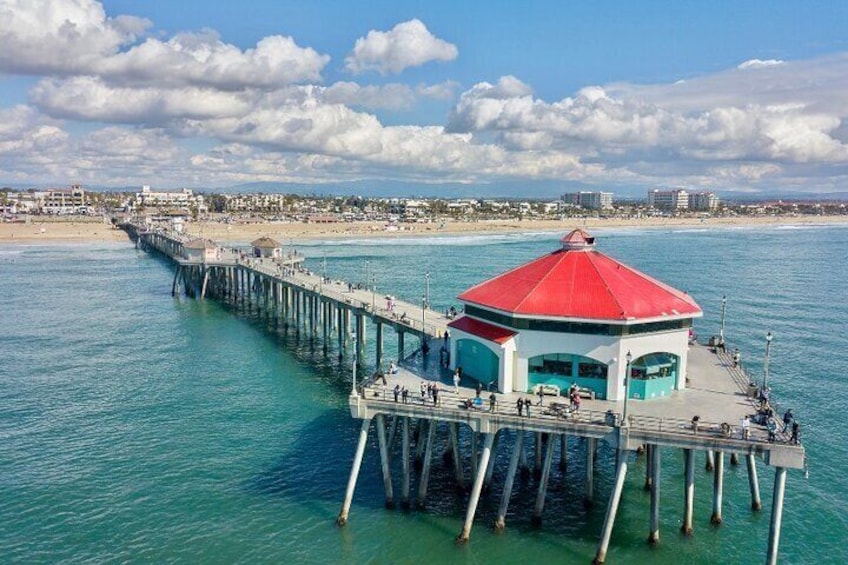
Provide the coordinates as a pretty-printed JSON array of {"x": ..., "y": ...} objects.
[
  {"x": 182, "y": 200},
  {"x": 575, "y": 316},
  {"x": 672, "y": 200},
  {"x": 703, "y": 201},
  {"x": 62, "y": 201},
  {"x": 589, "y": 200}
]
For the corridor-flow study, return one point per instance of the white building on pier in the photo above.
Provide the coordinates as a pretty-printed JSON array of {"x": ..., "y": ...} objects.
[{"x": 573, "y": 316}]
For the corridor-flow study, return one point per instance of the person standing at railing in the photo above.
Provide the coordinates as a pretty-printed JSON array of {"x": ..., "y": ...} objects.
[
  {"x": 746, "y": 427},
  {"x": 456, "y": 381},
  {"x": 493, "y": 400},
  {"x": 520, "y": 405}
]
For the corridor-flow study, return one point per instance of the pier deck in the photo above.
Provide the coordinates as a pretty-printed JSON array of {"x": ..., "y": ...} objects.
[{"x": 716, "y": 392}]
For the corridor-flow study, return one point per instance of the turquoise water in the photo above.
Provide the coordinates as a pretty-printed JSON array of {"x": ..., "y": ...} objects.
[{"x": 135, "y": 427}]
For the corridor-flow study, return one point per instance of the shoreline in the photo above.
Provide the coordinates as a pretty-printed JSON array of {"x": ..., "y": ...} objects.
[{"x": 98, "y": 232}]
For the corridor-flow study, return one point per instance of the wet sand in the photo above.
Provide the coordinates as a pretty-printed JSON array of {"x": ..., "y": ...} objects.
[{"x": 97, "y": 231}]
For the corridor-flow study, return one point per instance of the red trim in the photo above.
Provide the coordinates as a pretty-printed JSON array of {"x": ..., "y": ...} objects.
[{"x": 484, "y": 330}]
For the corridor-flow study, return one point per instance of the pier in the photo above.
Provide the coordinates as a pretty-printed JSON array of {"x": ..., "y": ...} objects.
[{"x": 475, "y": 423}]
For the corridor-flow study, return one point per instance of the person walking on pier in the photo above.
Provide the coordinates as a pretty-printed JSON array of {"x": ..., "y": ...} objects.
[
  {"x": 423, "y": 390},
  {"x": 737, "y": 357},
  {"x": 771, "y": 426},
  {"x": 435, "y": 393},
  {"x": 541, "y": 394},
  {"x": 520, "y": 405},
  {"x": 492, "y": 402},
  {"x": 788, "y": 418},
  {"x": 527, "y": 404},
  {"x": 404, "y": 393},
  {"x": 456, "y": 381},
  {"x": 397, "y": 392}
]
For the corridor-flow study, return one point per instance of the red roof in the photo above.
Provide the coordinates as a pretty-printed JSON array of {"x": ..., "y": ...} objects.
[
  {"x": 487, "y": 331},
  {"x": 579, "y": 282}
]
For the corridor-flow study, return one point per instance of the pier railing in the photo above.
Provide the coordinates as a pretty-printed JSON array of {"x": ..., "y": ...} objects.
[{"x": 554, "y": 411}]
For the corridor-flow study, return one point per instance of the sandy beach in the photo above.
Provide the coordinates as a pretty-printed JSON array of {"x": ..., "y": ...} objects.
[{"x": 93, "y": 230}]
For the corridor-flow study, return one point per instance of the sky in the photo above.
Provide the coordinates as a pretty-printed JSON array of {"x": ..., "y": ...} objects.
[{"x": 495, "y": 97}]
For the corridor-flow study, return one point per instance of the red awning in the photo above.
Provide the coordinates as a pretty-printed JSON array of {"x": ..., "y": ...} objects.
[{"x": 484, "y": 330}]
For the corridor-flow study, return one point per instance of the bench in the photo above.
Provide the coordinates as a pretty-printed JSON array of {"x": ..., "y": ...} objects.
[{"x": 552, "y": 390}]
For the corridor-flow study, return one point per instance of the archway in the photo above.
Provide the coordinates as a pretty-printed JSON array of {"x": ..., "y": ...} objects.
[{"x": 653, "y": 375}]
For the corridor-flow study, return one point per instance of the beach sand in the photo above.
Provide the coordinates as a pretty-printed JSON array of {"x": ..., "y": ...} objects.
[{"x": 93, "y": 230}]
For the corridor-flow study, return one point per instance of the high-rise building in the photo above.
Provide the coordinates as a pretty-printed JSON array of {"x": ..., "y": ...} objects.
[
  {"x": 589, "y": 200},
  {"x": 703, "y": 201},
  {"x": 674, "y": 200}
]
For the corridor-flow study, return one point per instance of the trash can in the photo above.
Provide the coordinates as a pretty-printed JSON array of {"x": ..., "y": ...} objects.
[{"x": 753, "y": 390}]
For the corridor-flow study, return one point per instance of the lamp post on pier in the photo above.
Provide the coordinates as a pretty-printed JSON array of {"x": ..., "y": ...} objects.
[
  {"x": 373, "y": 292},
  {"x": 723, "y": 312},
  {"x": 628, "y": 358},
  {"x": 766, "y": 360},
  {"x": 427, "y": 289},
  {"x": 367, "y": 263}
]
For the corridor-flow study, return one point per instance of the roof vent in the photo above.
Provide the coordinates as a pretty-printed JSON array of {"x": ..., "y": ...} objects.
[{"x": 577, "y": 240}]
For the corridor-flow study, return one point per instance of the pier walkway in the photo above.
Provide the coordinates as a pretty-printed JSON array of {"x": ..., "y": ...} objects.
[{"x": 704, "y": 417}]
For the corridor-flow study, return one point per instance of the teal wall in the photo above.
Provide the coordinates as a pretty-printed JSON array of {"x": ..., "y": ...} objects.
[
  {"x": 562, "y": 369},
  {"x": 653, "y": 376},
  {"x": 477, "y": 361}
]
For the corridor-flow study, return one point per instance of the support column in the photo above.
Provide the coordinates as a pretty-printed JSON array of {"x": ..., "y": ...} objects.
[
  {"x": 709, "y": 460},
  {"x": 500, "y": 522},
  {"x": 488, "y": 439},
  {"x": 543, "y": 483},
  {"x": 753, "y": 483},
  {"x": 563, "y": 452},
  {"x": 537, "y": 469},
  {"x": 378, "y": 338},
  {"x": 420, "y": 442},
  {"x": 649, "y": 462},
  {"x": 425, "y": 471},
  {"x": 718, "y": 488},
  {"x": 487, "y": 481},
  {"x": 688, "y": 491},
  {"x": 776, "y": 514},
  {"x": 734, "y": 458},
  {"x": 457, "y": 460},
  {"x": 404, "y": 492},
  {"x": 654, "y": 533},
  {"x": 589, "y": 490},
  {"x": 612, "y": 508},
  {"x": 360, "y": 337},
  {"x": 354, "y": 472},
  {"x": 400, "y": 335},
  {"x": 384, "y": 460},
  {"x": 475, "y": 443}
]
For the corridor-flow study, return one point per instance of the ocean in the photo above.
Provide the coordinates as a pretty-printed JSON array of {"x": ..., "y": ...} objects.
[{"x": 137, "y": 428}]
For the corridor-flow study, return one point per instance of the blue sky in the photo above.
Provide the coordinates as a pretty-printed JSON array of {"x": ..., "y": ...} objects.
[{"x": 735, "y": 97}]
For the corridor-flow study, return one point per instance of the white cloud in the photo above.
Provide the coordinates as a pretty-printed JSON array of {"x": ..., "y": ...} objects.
[
  {"x": 60, "y": 36},
  {"x": 759, "y": 63},
  {"x": 75, "y": 37},
  {"x": 90, "y": 99},
  {"x": 202, "y": 59},
  {"x": 408, "y": 44}
]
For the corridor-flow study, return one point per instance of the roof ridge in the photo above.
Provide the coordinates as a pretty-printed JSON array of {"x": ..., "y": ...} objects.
[
  {"x": 544, "y": 278},
  {"x": 606, "y": 284}
]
